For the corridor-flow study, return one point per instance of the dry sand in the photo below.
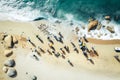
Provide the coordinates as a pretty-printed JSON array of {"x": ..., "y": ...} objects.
[{"x": 106, "y": 67}]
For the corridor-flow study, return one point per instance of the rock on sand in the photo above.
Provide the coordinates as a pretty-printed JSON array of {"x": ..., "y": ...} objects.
[
  {"x": 9, "y": 63},
  {"x": 8, "y": 53},
  {"x": 92, "y": 25},
  {"x": 15, "y": 39},
  {"x": 11, "y": 72},
  {"x": 9, "y": 41},
  {"x": 5, "y": 69}
]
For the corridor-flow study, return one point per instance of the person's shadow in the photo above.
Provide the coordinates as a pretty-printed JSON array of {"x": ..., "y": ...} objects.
[{"x": 117, "y": 58}]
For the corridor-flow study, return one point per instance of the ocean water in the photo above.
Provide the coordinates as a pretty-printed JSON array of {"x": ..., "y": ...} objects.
[
  {"x": 67, "y": 10},
  {"x": 28, "y": 10}
]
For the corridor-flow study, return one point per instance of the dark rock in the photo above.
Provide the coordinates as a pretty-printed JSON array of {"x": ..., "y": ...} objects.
[
  {"x": 11, "y": 72},
  {"x": 9, "y": 63}
]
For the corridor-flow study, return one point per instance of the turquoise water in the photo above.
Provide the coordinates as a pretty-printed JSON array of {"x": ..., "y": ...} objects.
[
  {"x": 85, "y": 8},
  {"x": 79, "y": 9}
]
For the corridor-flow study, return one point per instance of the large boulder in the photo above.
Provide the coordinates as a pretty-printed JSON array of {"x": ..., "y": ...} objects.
[
  {"x": 8, "y": 53},
  {"x": 9, "y": 63},
  {"x": 111, "y": 29},
  {"x": 9, "y": 41},
  {"x": 5, "y": 69},
  {"x": 92, "y": 25},
  {"x": 11, "y": 72}
]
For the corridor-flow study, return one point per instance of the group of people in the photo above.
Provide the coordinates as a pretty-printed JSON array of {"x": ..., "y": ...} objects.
[
  {"x": 86, "y": 51},
  {"x": 62, "y": 50}
]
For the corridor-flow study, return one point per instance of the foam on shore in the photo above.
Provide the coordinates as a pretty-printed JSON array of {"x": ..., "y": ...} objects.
[{"x": 102, "y": 34}]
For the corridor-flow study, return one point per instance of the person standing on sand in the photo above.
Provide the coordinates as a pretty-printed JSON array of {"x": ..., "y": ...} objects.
[
  {"x": 67, "y": 49},
  {"x": 75, "y": 49},
  {"x": 41, "y": 49},
  {"x": 70, "y": 63},
  {"x": 37, "y": 52},
  {"x": 37, "y": 36},
  {"x": 51, "y": 46},
  {"x": 82, "y": 45},
  {"x": 62, "y": 51},
  {"x": 85, "y": 39},
  {"x": 49, "y": 52},
  {"x": 50, "y": 40},
  {"x": 60, "y": 40},
  {"x": 95, "y": 52},
  {"x": 63, "y": 56},
  {"x": 73, "y": 44},
  {"x": 91, "y": 61},
  {"x": 60, "y": 35},
  {"x": 85, "y": 54},
  {"x": 31, "y": 42},
  {"x": 56, "y": 38}
]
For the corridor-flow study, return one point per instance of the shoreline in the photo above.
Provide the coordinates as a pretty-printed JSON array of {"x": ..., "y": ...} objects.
[{"x": 90, "y": 39}]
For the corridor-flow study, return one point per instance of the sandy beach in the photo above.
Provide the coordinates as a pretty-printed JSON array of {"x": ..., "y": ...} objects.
[{"x": 34, "y": 62}]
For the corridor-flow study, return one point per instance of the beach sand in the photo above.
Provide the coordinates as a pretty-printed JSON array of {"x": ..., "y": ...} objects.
[{"x": 105, "y": 66}]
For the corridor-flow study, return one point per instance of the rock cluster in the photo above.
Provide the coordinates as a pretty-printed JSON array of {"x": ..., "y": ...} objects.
[
  {"x": 9, "y": 64},
  {"x": 95, "y": 24},
  {"x": 8, "y": 68}
]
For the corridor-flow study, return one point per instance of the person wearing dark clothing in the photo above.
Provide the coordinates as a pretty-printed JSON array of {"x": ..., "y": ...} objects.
[
  {"x": 31, "y": 42},
  {"x": 85, "y": 54},
  {"x": 56, "y": 38},
  {"x": 60, "y": 35},
  {"x": 70, "y": 63},
  {"x": 39, "y": 39},
  {"x": 67, "y": 49}
]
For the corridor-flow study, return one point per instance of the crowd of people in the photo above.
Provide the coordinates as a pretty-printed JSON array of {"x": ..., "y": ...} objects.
[{"x": 63, "y": 51}]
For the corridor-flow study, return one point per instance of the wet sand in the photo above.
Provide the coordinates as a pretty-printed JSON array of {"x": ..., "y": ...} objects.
[{"x": 98, "y": 41}]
